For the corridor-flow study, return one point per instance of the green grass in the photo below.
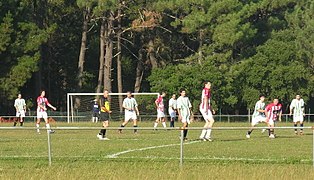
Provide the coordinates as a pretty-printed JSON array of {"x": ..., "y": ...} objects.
[{"x": 155, "y": 154}]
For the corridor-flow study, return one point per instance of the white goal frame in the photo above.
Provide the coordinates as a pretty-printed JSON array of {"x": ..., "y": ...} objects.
[{"x": 70, "y": 113}]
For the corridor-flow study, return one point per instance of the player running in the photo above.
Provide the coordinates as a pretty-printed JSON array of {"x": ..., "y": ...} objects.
[
  {"x": 160, "y": 110},
  {"x": 258, "y": 115},
  {"x": 42, "y": 104},
  {"x": 184, "y": 110},
  {"x": 297, "y": 106},
  {"x": 273, "y": 113},
  {"x": 104, "y": 115},
  {"x": 131, "y": 110},
  {"x": 20, "y": 107},
  {"x": 206, "y": 110}
]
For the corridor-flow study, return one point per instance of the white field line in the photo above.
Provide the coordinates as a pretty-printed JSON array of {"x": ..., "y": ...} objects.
[
  {"x": 115, "y": 155},
  {"x": 165, "y": 158}
]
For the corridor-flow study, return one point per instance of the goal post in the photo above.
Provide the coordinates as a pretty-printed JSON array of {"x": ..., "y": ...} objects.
[{"x": 79, "y": 105}]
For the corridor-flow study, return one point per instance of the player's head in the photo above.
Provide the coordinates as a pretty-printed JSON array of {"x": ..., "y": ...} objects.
[
  {"x": 42, "y": 93},
  {"x": 276, "y": 101},
  {"x": 298, "y": 97},
  {"x": 106, "y": 93},
  {"x": 207, "y": 84},
  {"x": 19, "y": 96},
  {"x": 262, "y": 97},
  {"x": 163, "y": 94},
  {"x": 173, "y": 96},
  {"x": 129, "y": 94},
  {"x": 182, "y": 92}
]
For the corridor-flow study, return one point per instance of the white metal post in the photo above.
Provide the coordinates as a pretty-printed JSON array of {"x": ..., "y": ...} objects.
[
  {"x": 68, "y": 108},
  {"x": 49, "y": 146},
  {"x": 181, "y": 147}
]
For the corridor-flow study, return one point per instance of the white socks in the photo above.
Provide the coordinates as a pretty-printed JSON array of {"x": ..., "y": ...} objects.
[
  {"x": 48, "y": 126},
  {"x": 208, "y": 132},
  {"x": 203, "y": 134},
  {"x": 164, "y": 124},
  {"x": 37, "y": 125},
  {"x": 155, "y": 125}
]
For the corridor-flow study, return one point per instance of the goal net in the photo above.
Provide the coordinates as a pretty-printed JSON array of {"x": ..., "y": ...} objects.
[{"x": 80, "y": 105}]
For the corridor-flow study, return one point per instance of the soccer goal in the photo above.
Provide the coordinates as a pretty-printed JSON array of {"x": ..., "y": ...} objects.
[{"x": 80, "y": 105}]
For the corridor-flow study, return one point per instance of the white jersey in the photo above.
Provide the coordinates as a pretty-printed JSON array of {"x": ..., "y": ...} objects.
[
  {"x": 259, "y": 106},
  {"x": 297, "y": 106},
  {"x": 184, "y": 104},
  {"x": 19, "y": 104},
  {"x": 172, "y": 105}
]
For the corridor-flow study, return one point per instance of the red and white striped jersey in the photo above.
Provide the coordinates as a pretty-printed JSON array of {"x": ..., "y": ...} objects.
[
  {"x": 205, "y": 93},
  {"x": 273, "y": 111},
  {"x": 43, "y": 102},
  {"x": 160, "y": 103}
]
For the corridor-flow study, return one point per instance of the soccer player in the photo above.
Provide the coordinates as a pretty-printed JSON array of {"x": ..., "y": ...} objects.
[
  {"x": 42, "y": 104},
  {"x": 172, "y": 109},
  {"x": 258, "y": 114},
  {"x": 160, "y": 110},
  {"x": 206, "y": 110},
  {"x": 297, "y": 106},
  {"x": 273, "y": 113},
  {"x": 95, "y": 111},
  {"x": 20, "y": 107},
  {"x": 131, "y": 111},
  {"x": 104, "y": 115},
  {"x": 184, "y": 111}
]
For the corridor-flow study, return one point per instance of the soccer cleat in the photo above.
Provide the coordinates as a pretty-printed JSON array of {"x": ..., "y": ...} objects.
[
  {"x": 248, "y": 136},
  {"x": 272, "y": 136},
  {"x": 296, "y": 132},
  {"x": 51, "y": 131},
  {"x": 263, "y": 130},
  {"x": 208, "y": 139},
  {"x": 104, "y": 139},
  {"x": 99, "y": 136},
  {"x": 301, "y": 133}
]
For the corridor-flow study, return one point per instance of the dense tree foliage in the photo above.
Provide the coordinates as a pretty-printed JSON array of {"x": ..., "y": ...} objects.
[{"x": 245, "y": 48}]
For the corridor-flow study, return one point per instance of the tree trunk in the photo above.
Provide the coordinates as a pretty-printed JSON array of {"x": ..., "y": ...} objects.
[
  {"x": 83, "y": 48},
  {"x": 81, "y": 60},
  {"x": 139, "y": 71},
  {"x": 109, "y": 51},
  {"x": 151, "y": 54},
  {"x": 119, "y": 69},
  {"x": 200, "y": 52},
  {"x": 101, "y": 56}
]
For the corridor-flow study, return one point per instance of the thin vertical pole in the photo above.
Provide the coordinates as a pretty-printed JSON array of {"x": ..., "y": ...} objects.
[
  {"x": 49, "y": 146},
  {"x": 313, "y": 146},
  {"x": 71, "y": 102},
  {"x": 68, "y": 108},
  {"x": 181, "y": 148}
]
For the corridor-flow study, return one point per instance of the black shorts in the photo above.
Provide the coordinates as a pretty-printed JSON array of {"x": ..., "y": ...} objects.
[
  {"x": 104, "y": 116},
  {"x": 95, "y": 114}
]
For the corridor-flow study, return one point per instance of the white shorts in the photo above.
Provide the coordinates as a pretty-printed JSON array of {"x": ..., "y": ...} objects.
[
  {"x": 42, "y": 115},
  {"x": 186, "y": 119},
  {"x": 258, "y": 119},
  {"x": 207, "y": 116},
  {"x": 172, "y": 113},
  {"x": 20, "y": 114},
  {"x": 160, "y": 114},
  {"x": 129, "y": 115},
  {"x": 298, "y": 118},
  {"x": 271, "y": 122}
]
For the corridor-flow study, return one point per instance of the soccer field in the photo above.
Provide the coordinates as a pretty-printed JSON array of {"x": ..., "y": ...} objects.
[{"x": 78, "y": 154}]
